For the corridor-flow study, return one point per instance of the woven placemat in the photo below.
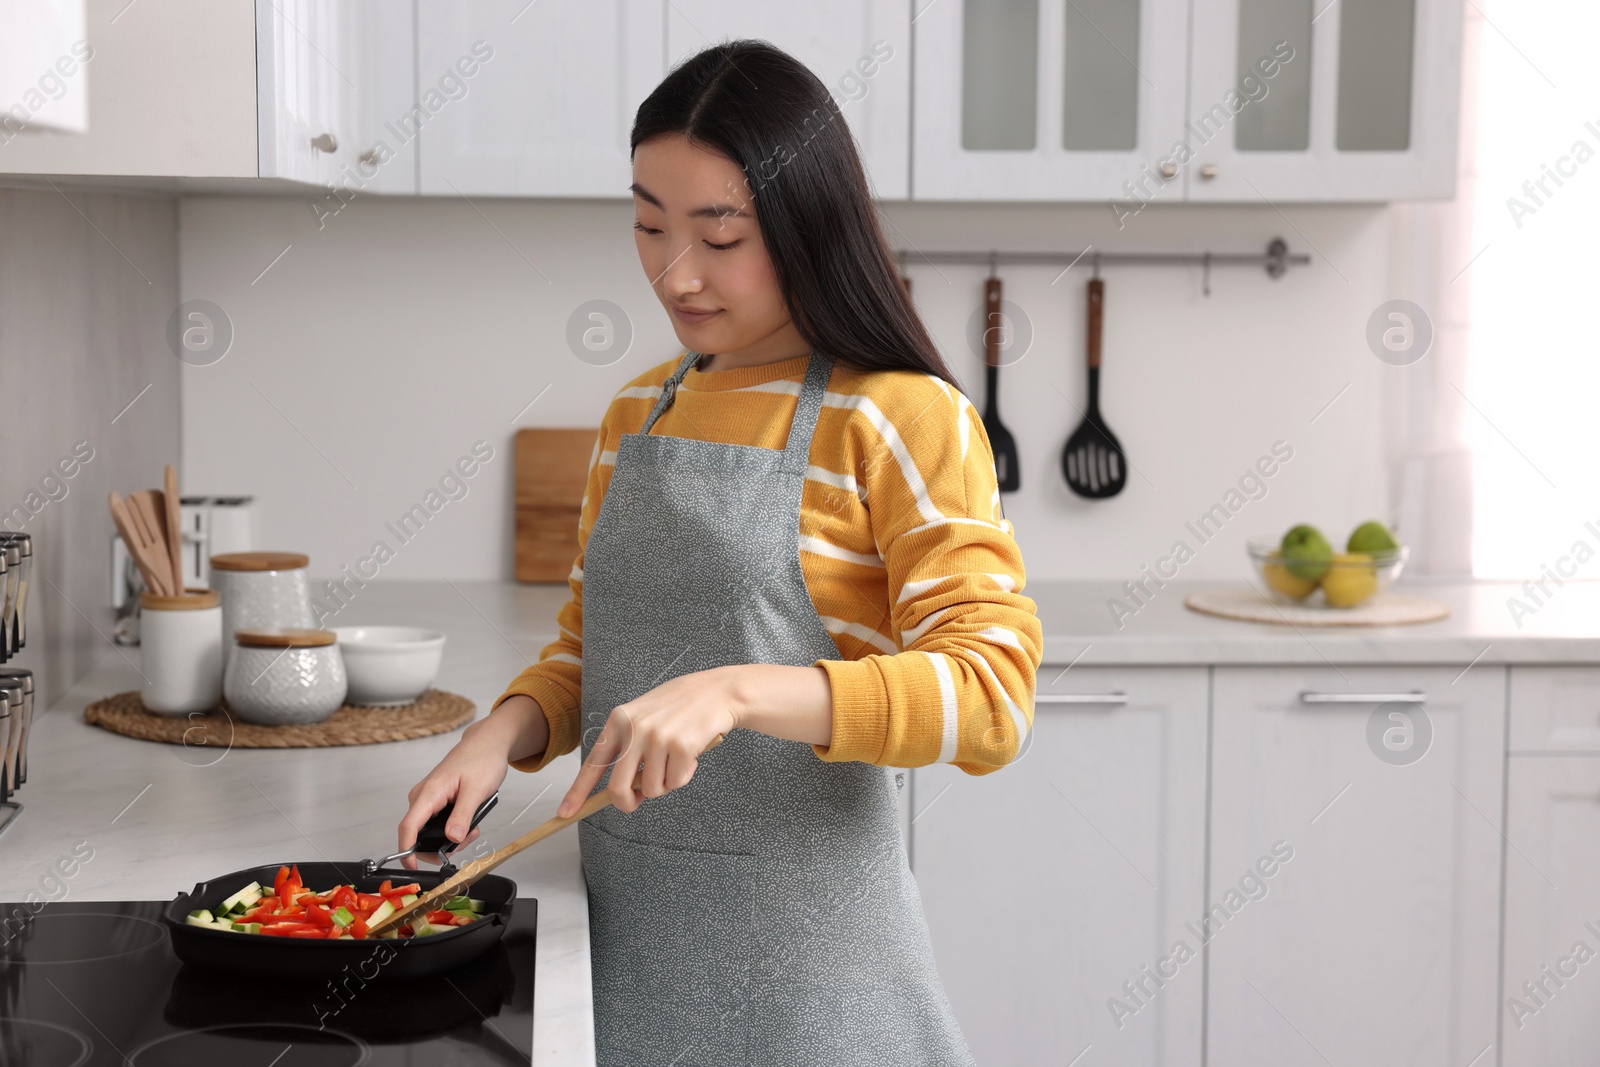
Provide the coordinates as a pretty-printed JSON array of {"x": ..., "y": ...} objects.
[
  {"x": 435, "y": 712},
  {"x": 1248, "y": 604}
]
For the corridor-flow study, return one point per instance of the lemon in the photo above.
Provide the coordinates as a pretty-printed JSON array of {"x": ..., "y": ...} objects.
[
  {"x": 1352, "y": 579},
  {"x": 1286, "y": 582}
]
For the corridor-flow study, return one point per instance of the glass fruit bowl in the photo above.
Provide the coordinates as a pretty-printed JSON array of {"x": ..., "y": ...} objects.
[{"x": 1346, "y": 581}]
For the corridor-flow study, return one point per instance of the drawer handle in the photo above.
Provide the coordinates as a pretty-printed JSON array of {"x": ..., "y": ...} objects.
[
  {"x": 1081, "y": 698},
  {"x": 1308, "y": 697}
]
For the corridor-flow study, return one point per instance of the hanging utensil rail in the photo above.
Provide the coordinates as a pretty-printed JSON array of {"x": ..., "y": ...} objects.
[{"x": 1276, "y": 260}]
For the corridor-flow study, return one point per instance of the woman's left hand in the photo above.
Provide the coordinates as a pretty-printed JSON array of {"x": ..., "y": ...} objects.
[{"x": 666, "y": 730}]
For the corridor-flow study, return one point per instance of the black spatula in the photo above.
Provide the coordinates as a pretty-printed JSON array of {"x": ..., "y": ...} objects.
[
  {"x": 1007, "y": 470},
  {"x": 1093, "y": 461}
]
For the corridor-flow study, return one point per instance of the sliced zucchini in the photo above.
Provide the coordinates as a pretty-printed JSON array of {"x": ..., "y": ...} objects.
[
  {"x": 343, "y": 916},
  {"x": 246, "y": 928},
  {"x": 227, "y": 905},
  {"x": 409, "y": 898},
  {"x": 202, "y": 914},
  {"x": 380, "y": 913},
  {"x": 195, "y": 920}
]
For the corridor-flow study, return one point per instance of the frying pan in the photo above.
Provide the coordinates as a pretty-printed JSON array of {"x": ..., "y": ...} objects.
[{"x": 318, "y": 960}]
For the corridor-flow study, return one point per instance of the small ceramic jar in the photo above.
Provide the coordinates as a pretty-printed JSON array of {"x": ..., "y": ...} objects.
[
  {"x": 180, "y": 638},
  {"x": 261, "y": 590},
  {"x": 286, "y": 676}
]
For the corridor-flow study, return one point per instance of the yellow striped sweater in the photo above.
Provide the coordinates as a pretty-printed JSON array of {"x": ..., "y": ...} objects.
[{"x": 908, "y": 561}]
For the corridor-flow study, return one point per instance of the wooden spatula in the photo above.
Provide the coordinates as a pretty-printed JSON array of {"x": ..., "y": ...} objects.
[
  {"x": 174, "y": 523},
  {"x": 457, "y": 883},
  {"x": 1093, "y": 462},
  {"x": 151, "y": 568},
  {"x": 151, "y": 512}
]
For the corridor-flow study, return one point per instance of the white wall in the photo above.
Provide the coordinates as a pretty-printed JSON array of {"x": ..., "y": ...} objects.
[{"x": 372, "y": 355}]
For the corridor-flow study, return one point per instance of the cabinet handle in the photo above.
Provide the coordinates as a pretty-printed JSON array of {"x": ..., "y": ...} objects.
[
  {"x": 325, "y": 142},
  {"x": 1080, "y": 698},
  {"x": 1169, "y": 170},
  {"x": 1308, "y": 697},
  {"x": 1208, "y": 171}
]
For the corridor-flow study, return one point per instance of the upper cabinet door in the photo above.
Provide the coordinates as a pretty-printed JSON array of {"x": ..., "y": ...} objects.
[
  {"x": 549, "y": 106},
  {"x": 1306, "y": 100},
  {"x": 1048, "y": 99},
  {"x": 859, "y": 49},
  {"x": 336, "y": 96},
  {"x": 300, "y": 86},
  {"x": 379, "y": 113}
]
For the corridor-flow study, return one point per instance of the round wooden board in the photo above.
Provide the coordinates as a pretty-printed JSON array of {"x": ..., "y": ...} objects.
[
  {"x": 1249, "y": 605},
  {"x": 434, "y": 713}
]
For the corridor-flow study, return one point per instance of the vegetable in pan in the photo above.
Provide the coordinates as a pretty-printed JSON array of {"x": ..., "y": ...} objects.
[{"x": 288, "y": 909}]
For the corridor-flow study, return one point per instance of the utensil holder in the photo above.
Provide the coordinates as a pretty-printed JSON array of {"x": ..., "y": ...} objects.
[{"x": 181, "y": 639}]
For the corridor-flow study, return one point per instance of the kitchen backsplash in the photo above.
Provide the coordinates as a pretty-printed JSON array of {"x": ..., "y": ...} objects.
[
  {"x": 369, "y": 351},
  {"x": 88, "y": 399}
]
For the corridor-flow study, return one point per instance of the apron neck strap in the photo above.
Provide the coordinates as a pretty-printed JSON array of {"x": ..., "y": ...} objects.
[{"x": 797, "y": 452}]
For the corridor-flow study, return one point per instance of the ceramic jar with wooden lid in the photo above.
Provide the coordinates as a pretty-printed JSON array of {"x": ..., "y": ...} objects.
[
  {"x": 284, "y": 676},
  {"x": 261, "y": 590},
  {"x": 180, "y": 641}
]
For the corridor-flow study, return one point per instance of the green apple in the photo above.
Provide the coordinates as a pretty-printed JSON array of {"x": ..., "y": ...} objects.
[
  {"x": 1372, "y": 538},
  {"x": 1306, "y": 552}
]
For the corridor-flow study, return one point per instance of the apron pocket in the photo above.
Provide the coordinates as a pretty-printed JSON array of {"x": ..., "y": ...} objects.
[{"x": 671, "y": 932}]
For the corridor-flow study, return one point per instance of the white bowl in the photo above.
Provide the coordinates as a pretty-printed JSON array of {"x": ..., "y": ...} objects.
[{"x": 389, "y": 665}]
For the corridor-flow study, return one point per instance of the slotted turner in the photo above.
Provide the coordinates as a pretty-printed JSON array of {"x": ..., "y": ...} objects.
[{"x": 1093, "y": 461}]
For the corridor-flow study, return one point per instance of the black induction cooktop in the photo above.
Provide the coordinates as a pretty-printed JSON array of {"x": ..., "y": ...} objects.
[{"x": 90, "y": 983}]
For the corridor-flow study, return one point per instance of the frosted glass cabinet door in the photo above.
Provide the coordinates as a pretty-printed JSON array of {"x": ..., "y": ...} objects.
[
  {"x": 1057, "y": 887},
  {"x": 1370, "y": 935},
  {"x": 549, "y": 107},
  {"x": 1311, "y": 100},
  {"x": 859, "y": 49},
  {"x": 1048, "y": 99}
]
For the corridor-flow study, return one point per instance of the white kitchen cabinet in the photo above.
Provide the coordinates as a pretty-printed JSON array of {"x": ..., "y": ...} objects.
[
  {"x": 1051, "y": 882},
  {"x": 171, "y": 93},
  {"x": 1555, "y": 709},
  {"x": 1367, "y": 108},
  {"x": 1376, "y": 940},
  {"x": 338, "y": 102},
  {"x": 550, "y": 109},
  {"x": 1550, "y": 1011},
  {"x": 1048, "y": 99},
  {"x": 42, "y": 82},
  {"x": 860, "y": 49}
]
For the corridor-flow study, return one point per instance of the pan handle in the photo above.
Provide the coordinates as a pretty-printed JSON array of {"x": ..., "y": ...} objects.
[{"x": 431, "y": 838}]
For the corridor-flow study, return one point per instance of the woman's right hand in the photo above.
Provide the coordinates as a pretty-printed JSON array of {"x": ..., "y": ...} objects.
[{"x": 470, "y": 772}]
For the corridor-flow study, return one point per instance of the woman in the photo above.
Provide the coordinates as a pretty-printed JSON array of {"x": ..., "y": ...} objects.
[{"x": 791, "y": 538}]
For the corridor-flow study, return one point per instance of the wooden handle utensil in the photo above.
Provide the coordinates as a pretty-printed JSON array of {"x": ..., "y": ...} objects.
[
  {"x": 174, "y": 524},
  {"x": 457, "y": 883},
  {"x": 150, "y": 569}
]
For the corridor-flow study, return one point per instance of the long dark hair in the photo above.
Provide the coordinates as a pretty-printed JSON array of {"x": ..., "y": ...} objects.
[{"x": 768, "y": 113}]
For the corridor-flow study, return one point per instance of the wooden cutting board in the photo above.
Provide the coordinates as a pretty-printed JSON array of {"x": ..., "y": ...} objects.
[{"x": 552, "y": 468}]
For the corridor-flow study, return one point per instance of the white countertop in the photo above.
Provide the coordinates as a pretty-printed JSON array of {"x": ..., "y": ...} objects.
[
  {"x": 1077, "y": 622},
  {"x": 163, "y": 817}
]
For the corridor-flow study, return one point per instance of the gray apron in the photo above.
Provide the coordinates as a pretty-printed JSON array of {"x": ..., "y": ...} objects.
[{"x": 764, "y": 913}]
